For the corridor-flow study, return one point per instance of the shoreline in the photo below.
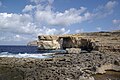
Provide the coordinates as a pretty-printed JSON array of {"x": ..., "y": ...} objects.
[{"x": 68, "y": 67}]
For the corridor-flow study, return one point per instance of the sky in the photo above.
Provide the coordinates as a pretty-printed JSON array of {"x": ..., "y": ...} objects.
[{"x": 22, "y": 21}]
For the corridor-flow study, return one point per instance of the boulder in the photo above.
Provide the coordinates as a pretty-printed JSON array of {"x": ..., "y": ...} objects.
[
  {"x": 103, "y": 68},
  {"x": 73, "y": 50}
]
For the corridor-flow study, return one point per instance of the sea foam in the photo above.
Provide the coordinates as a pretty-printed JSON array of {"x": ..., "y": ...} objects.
[{"x": 25, "y": 55}]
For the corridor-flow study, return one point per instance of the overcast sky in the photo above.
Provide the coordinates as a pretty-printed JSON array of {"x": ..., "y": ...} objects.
[{"x": 22, "y": 21}]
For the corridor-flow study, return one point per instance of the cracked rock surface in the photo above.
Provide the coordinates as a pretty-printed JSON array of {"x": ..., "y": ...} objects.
[{"x": 68, "y": 67}]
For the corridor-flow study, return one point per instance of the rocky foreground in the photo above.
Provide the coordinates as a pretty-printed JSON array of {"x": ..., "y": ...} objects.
[
  {"x": 82, "y": 66},
  {"x": 102, "y": 63}
]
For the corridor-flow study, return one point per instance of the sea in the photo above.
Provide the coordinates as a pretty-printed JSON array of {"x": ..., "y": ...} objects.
[{"x": 19, "y": 51}]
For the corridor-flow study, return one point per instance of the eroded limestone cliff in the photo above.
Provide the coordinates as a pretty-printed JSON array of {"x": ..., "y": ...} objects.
[{"x": 100, "y": 41}]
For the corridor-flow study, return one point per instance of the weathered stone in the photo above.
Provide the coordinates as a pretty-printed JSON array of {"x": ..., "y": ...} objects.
[
  {"x": 104, "y": 41},
  {"x": 103, "y": 68},
  {"x": 47, "y": 37},
  {"x": 48, "y": 45},
  {"x": 86, "y": 78},
  {"x": 32, "y": 43},
  {"x": 63, "y": 42},
  {"x": 73, "y": 50},
  {"x": 101, "y": 41}
]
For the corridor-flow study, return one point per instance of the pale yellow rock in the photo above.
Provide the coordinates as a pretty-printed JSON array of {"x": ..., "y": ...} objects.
[
  {"x": 73, "y": 50},
  {"x": 107, "y": 67},
  {"x": 46, "y": 45}
]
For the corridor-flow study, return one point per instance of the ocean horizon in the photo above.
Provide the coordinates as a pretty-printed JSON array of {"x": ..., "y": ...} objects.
[
  {"x": 20, "y": 51},
  {"x": 24, "y": 51}
]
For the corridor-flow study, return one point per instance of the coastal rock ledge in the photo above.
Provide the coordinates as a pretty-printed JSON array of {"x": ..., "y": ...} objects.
[{"x": 83, "y": 66}]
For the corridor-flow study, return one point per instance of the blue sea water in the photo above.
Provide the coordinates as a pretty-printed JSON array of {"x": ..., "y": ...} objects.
[
  {"x": 20, "y": 51},
  {"x": 25, "y": 51}
]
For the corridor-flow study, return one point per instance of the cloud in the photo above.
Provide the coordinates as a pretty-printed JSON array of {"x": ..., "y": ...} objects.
[
  {"x": 105, "y": 10},
  {"x": 41, "y": 1},
  {"x": 17, "y": 23},
  {"x": 37, "y": 1},
  {"x": 72, "y": 16},
  {"x": 115, "y": 21},
  {"x": 39, "y": 18},
  {"x": 12, "y": 37},
  {"x": 79, "y": 31},
  {"x": 45, "y": 15},
  {"x": 99, "y": 28},
  {"x": 110, "y": 5},
  {"x": 66, "y": 18},
  {"x": 28, "y": 8},
  {"x": 21, "y": 27},
  {"x": 53, "y": 31},
  {"x": 50, "y": 1}
]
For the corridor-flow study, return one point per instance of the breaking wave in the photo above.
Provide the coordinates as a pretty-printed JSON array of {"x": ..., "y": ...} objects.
[{"x": 25, "y": 55}]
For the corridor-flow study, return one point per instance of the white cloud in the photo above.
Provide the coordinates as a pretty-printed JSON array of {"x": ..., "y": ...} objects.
[
  {"x": 40, "y": 1},
  {"x": 11, "y": 38},
  {"x": 0, "y": 3},
  {"x": 50, "y": 1},
  {"x": 28, "y": 8},
  {"x": 111, "y": 4},
  {"x": 37, "y": 1},
  {"x": 53, "y": 31},
  {"x": 2, "y": 38},
  {"x": 115, "y": 21},
  {"x": 17, "y": 23},
  {"x": 19, "y": 38},
  {"x": 99, "y": 29},
  {"x": 15, "y": 27},
  {"x": 79, "y": 30},
  {"x": 45, "y": 15},
  {"x": 38, "y": 18},
  {"x": 105, "y": 10},
  {"x": 66, "y": 18}
]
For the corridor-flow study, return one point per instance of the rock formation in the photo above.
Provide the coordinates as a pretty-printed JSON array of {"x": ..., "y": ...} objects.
[
  {"x": 100, "y": 41},
  {"x": 105, "y": 41},
  {"x": 73, "y": 50},
  {"x": 32, "y": 43},
  {"x": 102, "y": 53},
  {"x": 63, "y": 42},
  {"x": 103, "y": 68},
  {"x": 48, "y": 43}
]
